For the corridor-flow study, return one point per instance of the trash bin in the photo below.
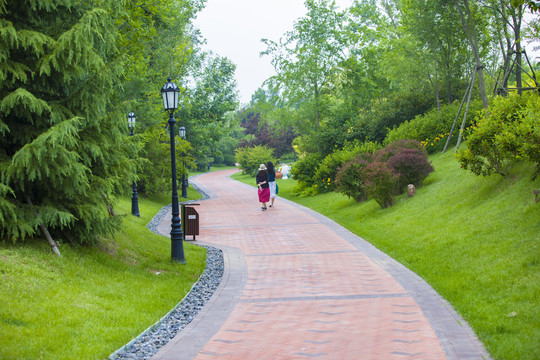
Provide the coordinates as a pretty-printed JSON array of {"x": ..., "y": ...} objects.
[{"x": 190, "y": 221}]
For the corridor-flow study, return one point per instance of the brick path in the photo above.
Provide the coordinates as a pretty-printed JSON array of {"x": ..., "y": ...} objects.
[{"x": 298, "y": 286}]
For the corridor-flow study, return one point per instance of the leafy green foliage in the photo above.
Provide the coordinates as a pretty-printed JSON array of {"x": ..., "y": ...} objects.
[
  {"x": 205, "y": 106},
  {"x": 357, "y": 171},
  {"x": 61, "y": 148},
  {"x": 509, "y": 132},
  {"x": 304, "y": 170},
  {"x": 325, "y": 176},
  {"x": 250, "y": 159},
  {"x": 327, "y": 169},
  {"x": 155, "y": 179},
  {"x": 533, "y": 5},
  {"x": 307, "y": 58},
  {"x": 433, "y": 127},
  {"x": 385, "y": 114}
]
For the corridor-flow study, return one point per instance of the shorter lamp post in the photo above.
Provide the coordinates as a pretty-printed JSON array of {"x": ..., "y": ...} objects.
[
  {"x": 134, "y": 198},
  {"x": 182, "y": 133},
  {"x": 169, "y": 92}
]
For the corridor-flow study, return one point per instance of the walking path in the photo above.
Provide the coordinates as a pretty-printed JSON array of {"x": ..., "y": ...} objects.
[{"x": 296, "y": 285}]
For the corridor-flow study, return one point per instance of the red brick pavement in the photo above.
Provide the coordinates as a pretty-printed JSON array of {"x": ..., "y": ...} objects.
[{"x": 309, "y": 290}]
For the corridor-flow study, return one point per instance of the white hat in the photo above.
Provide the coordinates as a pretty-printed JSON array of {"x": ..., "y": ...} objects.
[{"x": 262, "y": 167}]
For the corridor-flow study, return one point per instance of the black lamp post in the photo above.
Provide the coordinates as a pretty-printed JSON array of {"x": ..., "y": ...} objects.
[
  {"x": 134, "y": 198},
  {"x": 182, "y": 133},
  {"x": 170, "y": 92}
]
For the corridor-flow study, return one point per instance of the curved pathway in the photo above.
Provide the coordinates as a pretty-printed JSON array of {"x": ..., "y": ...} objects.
[{"x": 297, "y": 285}]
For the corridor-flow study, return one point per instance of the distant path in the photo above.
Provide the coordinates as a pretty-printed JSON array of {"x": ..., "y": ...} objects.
[{"x": 297, "y": 285}]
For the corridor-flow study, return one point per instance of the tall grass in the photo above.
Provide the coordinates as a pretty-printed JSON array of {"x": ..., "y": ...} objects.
[
  {"x": 93, "y": 300},
  {"x": 474, "y": 239}
]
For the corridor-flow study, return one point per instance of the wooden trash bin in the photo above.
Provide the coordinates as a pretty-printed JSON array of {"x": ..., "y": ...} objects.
[{"x": 190, "y": 221}]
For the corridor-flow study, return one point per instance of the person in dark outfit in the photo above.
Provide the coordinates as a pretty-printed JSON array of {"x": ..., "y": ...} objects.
[
  {"x": 262, "y": 183},
  {"x": 272, "y": 182}
]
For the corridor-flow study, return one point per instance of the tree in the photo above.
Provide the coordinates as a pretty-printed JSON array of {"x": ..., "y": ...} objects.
[
  {"x": 62, "y": 148},
  {"x": 204, "y": 105},
  {"x": 531, "y": 4},
  {"x": 307, "y": 58},
  {"x": 508, "y": 26},
  {"x": 434, "y": 29},
  {"x": 469, "y": 27}
]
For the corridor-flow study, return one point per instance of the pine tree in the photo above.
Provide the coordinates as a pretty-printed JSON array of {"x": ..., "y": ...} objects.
[{"x": 62, "y": 143}]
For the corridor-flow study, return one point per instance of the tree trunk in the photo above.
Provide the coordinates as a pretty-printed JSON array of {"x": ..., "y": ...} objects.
[
  {"x": 459, "y": 111},
  {"x": 317, "y": 113},
  {"x": 437, "y": 90},
  {"x": 109, "y": 207},
  {"x": 517, "y": 38},
  {"x": 466, "y": 113},
  {"x": 43, "y": 229},
  {"x": 473, "y": 40}
]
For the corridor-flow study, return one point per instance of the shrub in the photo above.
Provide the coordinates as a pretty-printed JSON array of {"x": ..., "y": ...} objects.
[
  {"x": 411, "y": 166},
  {"x": 397, "y": 147},
  {"x": 304, "y": 170},
  {"x": 229, "y": 159},
  {"x": 326, "y": 172},
  {"x": 380, "y": 183},
  {"x": 507, "y": 133},
  {"x": 390, "y": 112},
  {"x": 219, "y": 159},
  {"x": 156, "y": 178},
  {"x": 350, "y": 177},
  {"x": 433, "y": 127},
  {"x": 249, "y": 158}
]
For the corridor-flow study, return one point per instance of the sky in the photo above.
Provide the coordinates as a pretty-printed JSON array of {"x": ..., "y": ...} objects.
[{"x": 234, "y": 29}]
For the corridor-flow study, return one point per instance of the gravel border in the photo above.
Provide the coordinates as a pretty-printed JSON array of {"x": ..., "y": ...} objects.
[{"x": 156, "y": 336}]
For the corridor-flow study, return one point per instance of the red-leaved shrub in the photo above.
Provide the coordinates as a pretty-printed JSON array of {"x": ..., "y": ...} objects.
[
  {"x": 411, "y": 165},
  {"x": 397, "y": 147},
  {"x": 350, "y": 177},
  {"x": 380, "y": 183}
]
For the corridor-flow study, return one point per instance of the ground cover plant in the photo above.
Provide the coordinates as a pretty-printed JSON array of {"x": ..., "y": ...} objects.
[
  {"x": 474, "y": 239},
  {"x": 93, "y": 300}
]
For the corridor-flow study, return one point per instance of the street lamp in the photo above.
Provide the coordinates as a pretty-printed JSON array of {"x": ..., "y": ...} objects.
[
  {"x": 182, "y": 133},
  {"x": 170, "y": 92},
  {"x": 134, "y": 198}
]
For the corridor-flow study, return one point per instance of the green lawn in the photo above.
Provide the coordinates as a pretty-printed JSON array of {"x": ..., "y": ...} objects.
[
  {"x": 474, "y": 239},
  {"x": 93, "y": 300}
]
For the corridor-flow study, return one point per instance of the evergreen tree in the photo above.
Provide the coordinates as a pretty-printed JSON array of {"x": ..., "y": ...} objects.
[{"x": 62, "y": 144}]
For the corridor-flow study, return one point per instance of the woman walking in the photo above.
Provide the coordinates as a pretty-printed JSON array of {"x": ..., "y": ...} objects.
[
  {"x": 271, "y": 182},
  {"x": 262, "y": 183}
]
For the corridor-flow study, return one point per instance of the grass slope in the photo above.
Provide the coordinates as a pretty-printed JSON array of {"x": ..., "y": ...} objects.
[
  {"x": 474, "y": 239},
  {"x": 93, "y": 300}
]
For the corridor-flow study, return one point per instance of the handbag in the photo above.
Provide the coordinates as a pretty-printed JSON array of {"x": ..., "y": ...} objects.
[{"x": 277, "y": 189}]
